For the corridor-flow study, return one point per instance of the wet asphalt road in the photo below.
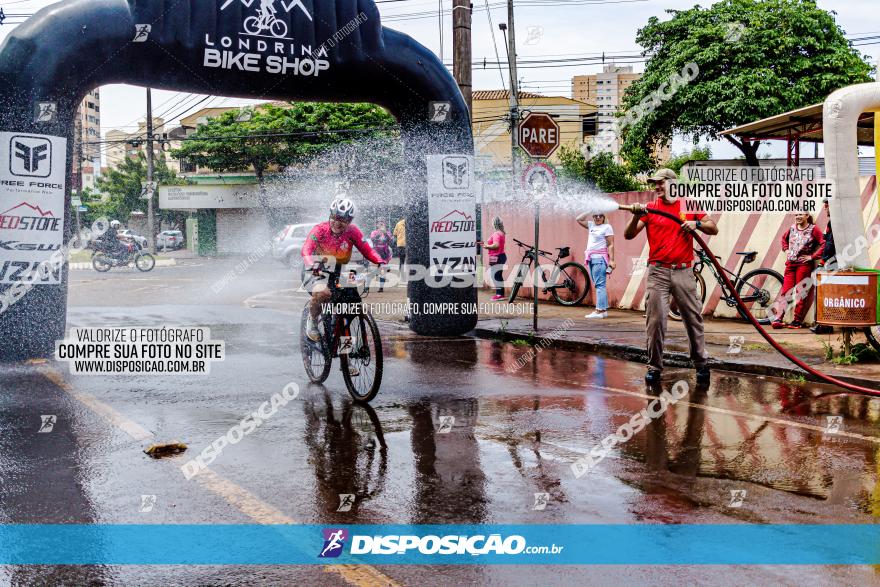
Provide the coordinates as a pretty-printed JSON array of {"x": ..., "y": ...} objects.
[{"x": 515, "y": 434}]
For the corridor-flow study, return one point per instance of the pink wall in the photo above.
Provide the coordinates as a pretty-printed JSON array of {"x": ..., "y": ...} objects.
[
  {"x": 561, "y": 230},
  {"x": 626, "y": 287}
]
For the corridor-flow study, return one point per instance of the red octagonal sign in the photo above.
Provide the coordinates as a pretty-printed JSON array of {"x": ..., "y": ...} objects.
[{"x": 539, "y": 135}]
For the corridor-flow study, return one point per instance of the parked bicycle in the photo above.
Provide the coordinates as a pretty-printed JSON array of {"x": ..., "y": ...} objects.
[
  {"x": 568, "y": 283},
  {"x": 758, "y": 288},
  {"x": 104, "y": 261},
  {"x": 352, "y": 337}
]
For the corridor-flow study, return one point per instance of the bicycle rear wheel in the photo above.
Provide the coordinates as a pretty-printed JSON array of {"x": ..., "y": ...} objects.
[
  {"x": 316, "y": 359},
  {"x": 362, "y": 365},
  {"x": 758, "y": 290},
  {"x": 701, "y": 295},
  {"x": 570, "y": 284}
]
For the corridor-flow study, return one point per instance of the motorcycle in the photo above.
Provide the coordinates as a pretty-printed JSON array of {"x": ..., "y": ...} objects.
[{"x": 104, "y": 260}]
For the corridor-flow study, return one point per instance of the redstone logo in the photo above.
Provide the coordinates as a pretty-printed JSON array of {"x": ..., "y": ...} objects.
[{"x": 27, "y": 217}]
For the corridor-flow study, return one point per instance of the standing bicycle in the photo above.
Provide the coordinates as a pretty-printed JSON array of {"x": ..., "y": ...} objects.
[
  {"x": 333, "y": 241},
  {"x": 758, "y": 288},
  {"x": 568, "y": 283}
]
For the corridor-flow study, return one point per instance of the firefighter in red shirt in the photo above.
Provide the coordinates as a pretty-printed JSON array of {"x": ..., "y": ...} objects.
[{"x": 670, "y": 273}]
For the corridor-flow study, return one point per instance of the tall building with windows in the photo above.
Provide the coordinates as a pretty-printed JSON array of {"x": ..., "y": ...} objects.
[
  {"x": 121, "y": 144},
  {"x": 605, "y": 90},
  {"x": 86, "y": 147}
]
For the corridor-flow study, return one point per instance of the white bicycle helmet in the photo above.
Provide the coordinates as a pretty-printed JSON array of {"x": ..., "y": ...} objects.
[
  {"x": 342, "y": 208},
  {"x": 115, "y": 224}
]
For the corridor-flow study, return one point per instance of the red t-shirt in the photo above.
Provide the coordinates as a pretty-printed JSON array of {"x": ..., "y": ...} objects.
[{"x": 666, "y": 241}]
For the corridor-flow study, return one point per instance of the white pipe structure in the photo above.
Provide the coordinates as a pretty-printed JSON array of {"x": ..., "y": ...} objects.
[{"x": 840, "y": 118}]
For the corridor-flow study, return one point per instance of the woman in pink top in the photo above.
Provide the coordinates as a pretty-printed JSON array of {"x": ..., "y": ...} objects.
[{"x": 497, "y": 257}]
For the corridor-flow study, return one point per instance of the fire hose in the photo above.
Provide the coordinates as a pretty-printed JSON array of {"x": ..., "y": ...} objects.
[{"x": 785, "y": 353}]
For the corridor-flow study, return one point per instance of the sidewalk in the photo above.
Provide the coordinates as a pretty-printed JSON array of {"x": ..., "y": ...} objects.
[{"x": 622, "y": 335}]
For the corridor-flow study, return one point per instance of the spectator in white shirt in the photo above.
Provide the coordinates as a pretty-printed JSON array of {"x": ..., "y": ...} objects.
[{"x": 599, "y": 257}]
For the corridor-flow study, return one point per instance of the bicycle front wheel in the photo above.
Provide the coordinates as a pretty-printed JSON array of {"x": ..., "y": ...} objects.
[
  {"x": 362, "y": 363},
  {"x": 571, "y": 284},
  {"x": 522, "y": 270},
  {"x": 758, "y": 290},
  {"x": 315, "y": 357}
]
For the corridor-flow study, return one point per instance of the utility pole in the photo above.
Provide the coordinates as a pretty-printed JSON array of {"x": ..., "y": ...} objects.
[
  {"x": 514, "y": 143},
  {"x": 150, "y": 233},
  {"x": 461, "y": 49},
  {"x": 514, "y": 97}
]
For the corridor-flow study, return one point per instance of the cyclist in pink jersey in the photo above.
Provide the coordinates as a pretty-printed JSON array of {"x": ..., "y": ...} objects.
[{"x": 331, "y": 242}]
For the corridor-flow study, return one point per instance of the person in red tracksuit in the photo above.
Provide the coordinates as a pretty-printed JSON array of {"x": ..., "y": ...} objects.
[{"x": 803, "y": 244}]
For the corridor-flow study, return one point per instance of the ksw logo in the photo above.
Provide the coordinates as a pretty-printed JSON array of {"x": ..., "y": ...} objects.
[
  {"x": 453, "y": 245},
  {"x": 456, "y": 173},
  {"x": 19, "y": 246},
  {"x": 266, "y": 20},
  {"x": 30, "y": 156}
]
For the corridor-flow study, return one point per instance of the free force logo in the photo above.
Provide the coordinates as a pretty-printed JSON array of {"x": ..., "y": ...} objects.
[
  {"x": 456, "y": 173},
  {"x": 334, "y": 542},
  {"x": 30, "y": 156}
]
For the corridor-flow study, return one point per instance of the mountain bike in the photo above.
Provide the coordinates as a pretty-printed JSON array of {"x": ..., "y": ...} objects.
[
  {"x": 758, "y": 288},
  {"x": 351, "y": 336},
  {"x": 570, "y": 281}
]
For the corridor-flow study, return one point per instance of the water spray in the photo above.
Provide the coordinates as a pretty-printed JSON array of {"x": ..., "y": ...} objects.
[{"x": 639, "y": 209}]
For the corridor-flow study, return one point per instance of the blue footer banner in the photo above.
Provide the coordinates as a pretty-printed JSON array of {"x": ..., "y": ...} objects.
[{"x": 633, "y": 544}]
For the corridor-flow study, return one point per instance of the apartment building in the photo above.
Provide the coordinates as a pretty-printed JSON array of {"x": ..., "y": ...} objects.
[
  {"x": 606, "y": 90},
  {"x": 86, "y": 136},
  {"x": 121, "y": 144}
]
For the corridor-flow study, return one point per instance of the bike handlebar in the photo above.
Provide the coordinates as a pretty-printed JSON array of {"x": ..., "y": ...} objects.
[{"x": 530, "y": 247}]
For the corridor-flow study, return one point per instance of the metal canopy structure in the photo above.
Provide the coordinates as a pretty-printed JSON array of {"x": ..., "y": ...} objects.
[{"x": 797, "y": 126}]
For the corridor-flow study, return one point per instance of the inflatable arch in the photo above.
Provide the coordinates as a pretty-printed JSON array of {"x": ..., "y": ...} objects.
[
  {"x": 312, "y": 50},
  {"x": 840, "y": 119}
]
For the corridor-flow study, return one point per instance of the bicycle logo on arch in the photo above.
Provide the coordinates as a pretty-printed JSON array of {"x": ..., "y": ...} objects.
[{"x": 266, "y": 21}]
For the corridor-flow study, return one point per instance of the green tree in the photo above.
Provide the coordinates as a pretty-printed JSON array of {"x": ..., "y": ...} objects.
[
  {"x": 756, "y": 58},
  {"x": 276, "y": 137},
  {"x": 123, "y": 185},
  {"x": 677, "y": 161},
  {"x": 601, "y": 170}
]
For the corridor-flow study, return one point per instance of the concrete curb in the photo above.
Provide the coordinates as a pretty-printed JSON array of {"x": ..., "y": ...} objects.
[
  {"x": 638, "y": 354},
  {"x": 86, "y": 266}
]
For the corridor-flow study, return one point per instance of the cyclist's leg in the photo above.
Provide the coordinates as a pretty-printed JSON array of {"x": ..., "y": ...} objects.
[{"x": 320, "y": 296}]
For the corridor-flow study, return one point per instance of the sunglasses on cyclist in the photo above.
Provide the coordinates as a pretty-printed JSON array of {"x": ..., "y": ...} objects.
[{"x": 338, "y": 218}]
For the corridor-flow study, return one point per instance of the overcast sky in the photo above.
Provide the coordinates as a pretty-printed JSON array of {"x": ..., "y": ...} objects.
[{"x": 577, "y": 28}]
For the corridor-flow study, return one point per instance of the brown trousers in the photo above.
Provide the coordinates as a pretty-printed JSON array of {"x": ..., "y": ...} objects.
[{"x": 680, "y": 284}]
